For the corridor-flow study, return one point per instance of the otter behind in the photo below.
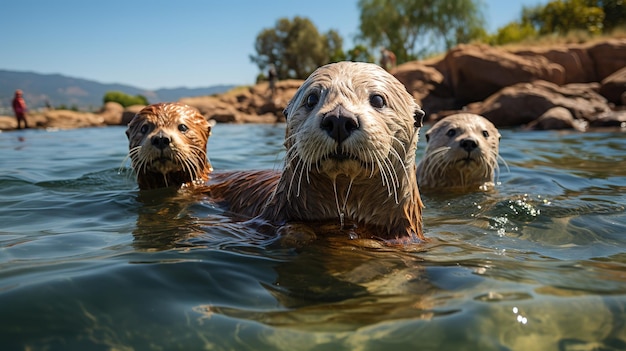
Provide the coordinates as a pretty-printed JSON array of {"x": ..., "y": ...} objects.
[
  {"x": 167, "y": 145},
  {"x": 461, "y": 155}
]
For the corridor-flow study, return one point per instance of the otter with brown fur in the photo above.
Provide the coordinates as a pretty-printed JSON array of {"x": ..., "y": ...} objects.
[
  {"x": 461, "y": 154},
  {"x": 167, "y": 146},
  {"x": 352, "y": 132}
]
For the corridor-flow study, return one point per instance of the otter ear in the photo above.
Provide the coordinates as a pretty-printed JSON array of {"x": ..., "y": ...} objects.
[
  {"x": 427, "y": 137},
  {"x": 419, "y": 117},
  {"x": 287, "y": 109},
  {"x": 212, "y": 124}
]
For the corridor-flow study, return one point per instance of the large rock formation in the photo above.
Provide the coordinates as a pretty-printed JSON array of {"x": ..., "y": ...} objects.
[
  {"x": 510, "y": 86},
  {"x": 522, "y": 103},
  {"x": 478, "y": 71},
  {"x": 247, "y": 104}
]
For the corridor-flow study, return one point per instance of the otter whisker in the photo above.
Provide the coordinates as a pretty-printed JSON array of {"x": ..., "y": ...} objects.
[
  {"x": 294, "y": 173},
  {"x": 390, "y": 182},
  {"x": 396, "y": 140},
  {"x": 394, "y": 177},
  {"x": 373, "y": 158},
  {"x": 345, "y": 202},
  {"x": 383, "y": 174},
  {"x": 401, "y": 162}
]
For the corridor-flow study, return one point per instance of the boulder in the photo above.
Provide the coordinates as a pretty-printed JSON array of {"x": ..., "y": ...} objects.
[
  {"x": 478, "y": 71},
  {"x": 130, "y": 112},
  {"x": 576, "y": 62},
  {"x": 247, "y": 104},
  {"x": 610, "y": 119},
  {"x": 67, "y": 119},
  {"x": 427, "y": 86},
  {"x": 614, "y": 86},
  {"x": 608, "y": 57},
  {"x": 524, "y": 102},
  {"x": 557, "y": 118},
  {"x": 112, "y": 113}
]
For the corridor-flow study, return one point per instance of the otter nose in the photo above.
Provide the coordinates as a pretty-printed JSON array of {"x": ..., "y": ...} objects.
[
  {"x": 339, "y": 124},
  {"x": 160, "y": 141},
  {"x": 469, "y": 144}
]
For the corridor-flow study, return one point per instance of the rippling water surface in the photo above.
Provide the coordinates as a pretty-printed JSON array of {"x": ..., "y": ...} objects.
[{"x": 89, "y": 262}]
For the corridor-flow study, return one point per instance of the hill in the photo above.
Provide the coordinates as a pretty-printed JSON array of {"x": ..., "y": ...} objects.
[{"x": 85, "y": 94}]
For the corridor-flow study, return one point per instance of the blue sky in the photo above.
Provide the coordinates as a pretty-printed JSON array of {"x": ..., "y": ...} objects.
[{"x": 156, "y": 44}]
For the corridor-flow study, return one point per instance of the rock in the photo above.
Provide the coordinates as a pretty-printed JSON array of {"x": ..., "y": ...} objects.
[
  {"x": 614, "y": 86},
  {"x": 129, "y": 113},
  {"x": 610, "y": 119},
  {"x": 557, "y": 118},
  {"x": 427, "y": 86},
  {"x": 478, "y": 71},
  {"x": 575, "y": 60},
  {"x": 247, "y": 104},
  {"x": 524, "y": 102},
  {"x": 608, "y": 56},
  {"x": 8, "y": 123},
  {"x": 112, "y": 113},
  {"x": 66, "y": 119}
]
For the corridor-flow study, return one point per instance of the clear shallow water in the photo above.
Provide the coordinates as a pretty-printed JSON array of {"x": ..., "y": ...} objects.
[{"x": 89, "y": 262}]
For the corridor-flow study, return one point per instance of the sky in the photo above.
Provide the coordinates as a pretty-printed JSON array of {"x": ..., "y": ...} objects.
[{"x": 153, "y": 44}]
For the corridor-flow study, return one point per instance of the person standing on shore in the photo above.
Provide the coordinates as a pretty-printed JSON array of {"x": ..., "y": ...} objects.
[
  {"x": 272, "y": 77},
  {"x": 387, "y": 59},
  {"x": 19, "y": 107}
]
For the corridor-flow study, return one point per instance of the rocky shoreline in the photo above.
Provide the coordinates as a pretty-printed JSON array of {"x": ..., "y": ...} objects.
[{"x": 573, "y": 86}]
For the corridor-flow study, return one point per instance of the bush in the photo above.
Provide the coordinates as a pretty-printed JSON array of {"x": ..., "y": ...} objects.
[
  {"x": 124, "y": 99},
  {"x": 513, "y": 32}
]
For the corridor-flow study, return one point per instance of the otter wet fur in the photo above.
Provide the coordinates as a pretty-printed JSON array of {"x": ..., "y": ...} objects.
[
  {"x": 168, "y": 146},
  {"x": 461, "y": 155},
  {"x": 351, "y": 138}
]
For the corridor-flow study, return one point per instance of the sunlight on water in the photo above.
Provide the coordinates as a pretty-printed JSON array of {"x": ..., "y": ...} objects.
[{"x": 89, "y": 262}]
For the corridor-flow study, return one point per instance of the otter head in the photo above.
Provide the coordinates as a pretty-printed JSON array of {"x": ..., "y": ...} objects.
[
  {"x": 461, "y": 152},
  {"x": 352, "y": 131},
  {"x": 167, "y": 145}
]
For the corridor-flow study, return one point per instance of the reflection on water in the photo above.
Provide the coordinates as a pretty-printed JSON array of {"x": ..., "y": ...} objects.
[{"x": 89, "y": 262}]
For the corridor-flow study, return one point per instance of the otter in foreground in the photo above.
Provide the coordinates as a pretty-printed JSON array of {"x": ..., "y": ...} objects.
[
  {"x": 461, "y": 154},
  {"x": 352, "y": 132},
  {"x": 167, "y": 146}
]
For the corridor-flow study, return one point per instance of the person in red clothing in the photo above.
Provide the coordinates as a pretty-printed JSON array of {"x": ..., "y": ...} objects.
[{"x": 19, "y": 107}]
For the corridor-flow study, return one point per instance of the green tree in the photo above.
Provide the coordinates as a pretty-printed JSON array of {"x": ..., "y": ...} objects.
[
  {"x": 436, "y": 25},
  {"x": 614, "y": 13},
  {"x": 563, "y": 16},
  {"x": 296, "y": 48},
  {"x": 512, "y": 33},
  {"x": 124, "y": 99},
  {"x": 360, "y": 53}
]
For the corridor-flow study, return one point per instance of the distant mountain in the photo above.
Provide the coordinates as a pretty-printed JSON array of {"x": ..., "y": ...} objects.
[{"x": 84, "y": 94}]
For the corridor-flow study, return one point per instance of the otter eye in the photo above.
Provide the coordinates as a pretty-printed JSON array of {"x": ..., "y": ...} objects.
[
  {"x": 377, "y": 101},
  {"x": 485, "y": 134},
  {"x": 312, "y": 100},
  {"x": 145, "y": 128},
  {"x": 183, "y": 128},
  {"x": 451, "y": 133}
]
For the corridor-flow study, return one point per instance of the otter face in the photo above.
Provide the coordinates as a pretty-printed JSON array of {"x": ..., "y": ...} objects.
[
  {"x": 461, "y": 150},
  {"x": 352, "y": 119},
  {"x": 169, "y": 138}
]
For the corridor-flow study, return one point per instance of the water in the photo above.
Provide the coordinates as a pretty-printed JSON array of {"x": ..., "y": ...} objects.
[{"x": 89, "y": 262}]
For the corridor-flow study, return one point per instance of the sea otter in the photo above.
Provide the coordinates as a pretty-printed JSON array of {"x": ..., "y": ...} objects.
[
  {"x": 351, "y": 136},
  {"x": 168, "y": 146},
  {"x": 461, "y": 154}
]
